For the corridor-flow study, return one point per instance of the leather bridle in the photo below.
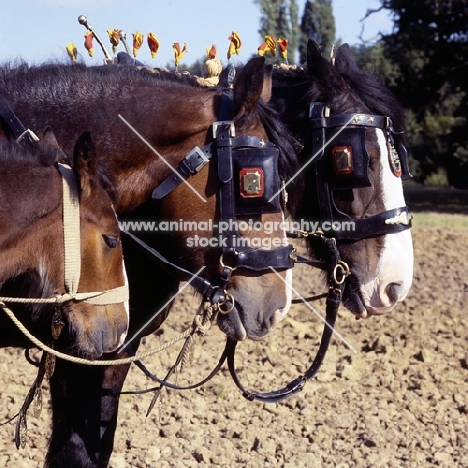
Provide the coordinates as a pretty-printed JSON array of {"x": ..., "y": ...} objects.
[
  {"x": 232, "y": 152},
  {"x": 322, "y": 130}
]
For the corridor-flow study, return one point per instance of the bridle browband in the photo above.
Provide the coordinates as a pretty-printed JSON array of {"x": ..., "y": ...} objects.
[{"x": 386, "y": 222}]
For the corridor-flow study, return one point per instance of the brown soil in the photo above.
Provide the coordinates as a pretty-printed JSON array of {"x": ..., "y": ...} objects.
[{"x": 400, "y": 400}]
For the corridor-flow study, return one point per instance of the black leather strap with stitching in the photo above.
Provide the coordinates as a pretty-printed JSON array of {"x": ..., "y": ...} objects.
[
  {"x": 11, "y": 124},
  {"x": 366, "y": 120}
]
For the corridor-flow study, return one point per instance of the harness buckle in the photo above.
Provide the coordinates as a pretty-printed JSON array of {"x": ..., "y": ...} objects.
[
  {"x": 219, "y": 123},
  {"x": 199, "y": 152}
]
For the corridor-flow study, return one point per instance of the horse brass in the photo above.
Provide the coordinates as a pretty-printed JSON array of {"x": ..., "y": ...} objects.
[
  {"x": 342, "y": 160},
  {"x": 251, "y": 182}
]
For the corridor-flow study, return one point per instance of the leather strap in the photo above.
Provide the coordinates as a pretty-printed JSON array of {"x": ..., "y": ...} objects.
[
  {"x": 365, "y": 120},
  {"x": 376, "y": 225},
  {"x": 196, "y": 160},
  {"x": 332, "y": 305},
  {"x": 203, "y": 286},
  {"x": 12, "y": 125}
]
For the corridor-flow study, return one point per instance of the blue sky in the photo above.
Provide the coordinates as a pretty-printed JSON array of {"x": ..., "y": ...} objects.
[{"x": 39, "y": 30}]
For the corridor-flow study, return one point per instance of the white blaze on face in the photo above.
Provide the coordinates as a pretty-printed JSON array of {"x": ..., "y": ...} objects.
[{"x": 394, "y": 273}]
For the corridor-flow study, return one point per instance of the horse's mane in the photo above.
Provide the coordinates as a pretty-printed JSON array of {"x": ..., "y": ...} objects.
[
  {"x": 279, "y": 134},
  {"x": 22, "y": 154},
  {"x": 71, "y": 83},
  {"x": 375, "y": 95}
]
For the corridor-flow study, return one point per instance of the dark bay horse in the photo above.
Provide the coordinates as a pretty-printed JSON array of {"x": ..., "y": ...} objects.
[
  {"x": 354, "y": 161},
  {"x": 169, "y": 119},
  {"x": 32, "y": 246}
]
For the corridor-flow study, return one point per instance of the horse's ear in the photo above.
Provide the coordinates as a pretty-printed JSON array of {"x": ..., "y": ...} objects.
[
  {"x": 248, "y": 87},
  {"x": 51, "y": 151},
  {"x": 314, "y": 56},
  {"x": 85, "y": 163},
  {"x": 321, "y": 69},
  {"x": 344, "y": 60}
]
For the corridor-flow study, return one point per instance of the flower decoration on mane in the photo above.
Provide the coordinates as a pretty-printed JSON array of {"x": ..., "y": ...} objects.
[
  {"x": 72, "y": 52},
  {"x": 211, "y": 52},
  {"x": 137, "y": 42},
  {"x": 269, "y": 45},
  {"x": 213, "y": 68},
  {"x": 283, "y": 46},
  {"x": 178, "y": 52},
  {"x": 114, "y": 38},
  {"x": 89, "y": 43},
  {"x": 153, "y": 44},
  {"x": 234, "y": 45}
]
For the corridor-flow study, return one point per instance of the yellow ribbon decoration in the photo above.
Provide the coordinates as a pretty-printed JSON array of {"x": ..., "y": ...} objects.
[
  {"x": 178, "y": 53},
  {"x": 72, "y": 52},
  {"x": 269, "y": 45},
  {"x": 114, "y": 38},
  {"x": 137, "y": 42},
  {"x": 234, "y": 45}
]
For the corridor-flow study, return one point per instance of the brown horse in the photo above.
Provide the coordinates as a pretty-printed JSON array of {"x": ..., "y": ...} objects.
[
  {"x": 168, "y": 119},
  {"x": 32, "y": 246},
  {"x": 353, "y": 161}
]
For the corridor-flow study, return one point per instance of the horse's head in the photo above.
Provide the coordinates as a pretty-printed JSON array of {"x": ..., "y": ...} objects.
[
  {"x": 351, "y": 127},
  {"x": 231, "y": 212},
  {"x": 35, "y": 230}
]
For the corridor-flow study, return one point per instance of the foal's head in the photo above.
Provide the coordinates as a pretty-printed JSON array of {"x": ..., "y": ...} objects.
[{"x": 32, "y": 240}]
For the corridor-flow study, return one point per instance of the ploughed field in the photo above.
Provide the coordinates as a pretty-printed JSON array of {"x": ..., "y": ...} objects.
[{"x": 394, "y": 395}]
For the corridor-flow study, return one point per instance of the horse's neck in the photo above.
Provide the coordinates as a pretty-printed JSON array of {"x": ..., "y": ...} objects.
[{"x": 138, "y": 130}]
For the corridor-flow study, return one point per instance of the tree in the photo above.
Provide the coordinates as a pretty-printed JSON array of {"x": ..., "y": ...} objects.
[
  {"x": 318, "y": 23},
  {"x": 429, "y": 53},
  {"x": 280, "y": 19}
]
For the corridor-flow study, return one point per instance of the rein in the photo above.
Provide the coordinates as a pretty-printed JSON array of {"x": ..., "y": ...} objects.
[{"x": 337, "y": 273}]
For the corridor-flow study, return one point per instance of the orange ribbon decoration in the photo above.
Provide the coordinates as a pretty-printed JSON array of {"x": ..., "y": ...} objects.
[
  {"x": 283, "y": 46},
  {"x": 89, "y": 43},
  {"x": 153, "y": 44}
]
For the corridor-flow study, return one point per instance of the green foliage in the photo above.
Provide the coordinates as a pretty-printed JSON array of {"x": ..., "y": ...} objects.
[
  {"x": 429, "y": 50},
  {"x": 318, "y": 23}
]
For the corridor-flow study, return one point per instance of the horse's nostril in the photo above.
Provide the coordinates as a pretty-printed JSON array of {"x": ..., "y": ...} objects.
[{"x": 393, "y": 291}]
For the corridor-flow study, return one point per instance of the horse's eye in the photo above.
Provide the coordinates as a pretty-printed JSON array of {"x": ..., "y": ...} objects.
[{"x": 111, "y": 241}]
